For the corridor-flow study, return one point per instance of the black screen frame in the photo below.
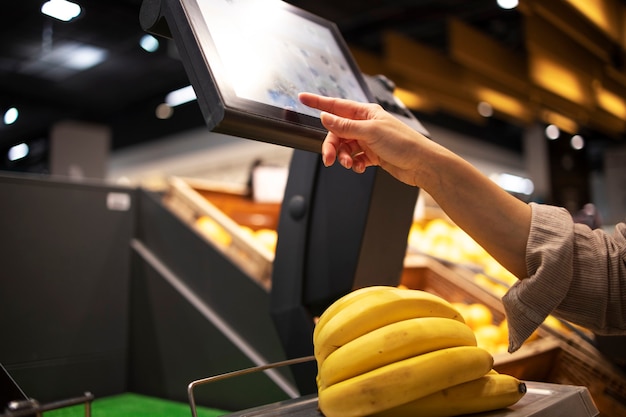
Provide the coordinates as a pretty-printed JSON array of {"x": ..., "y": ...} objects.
[{"x": 225, "y": 112}]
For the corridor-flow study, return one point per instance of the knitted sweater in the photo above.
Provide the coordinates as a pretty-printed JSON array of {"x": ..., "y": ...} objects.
[{"x": 574, "y": 273}]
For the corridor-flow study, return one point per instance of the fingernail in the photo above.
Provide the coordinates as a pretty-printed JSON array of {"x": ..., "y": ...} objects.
[{"x": 329, "y": 119}]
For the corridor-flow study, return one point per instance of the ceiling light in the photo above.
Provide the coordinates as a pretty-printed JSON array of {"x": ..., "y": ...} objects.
[
  {"x": 485, "y": 109},
  {"x": 514, "y": 183},
  {"x": 149, "y": 43},
  {"x": 577, "y": 142},
  {"x": 508, "y": 4},
  {"x": 164, "y": 111},
  {"x": 84, "y": 56},
  {"x": 180, "y": 96},
  {"x": 63, "y": 60},
  {"x": 552, "y": 132},
  {"x": 61, "y": 9},
  {"x": 10, "y": 116},
  {"x": 18, "y": 152}
]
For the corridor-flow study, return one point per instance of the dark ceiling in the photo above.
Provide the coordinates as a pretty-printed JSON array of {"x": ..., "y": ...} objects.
[{"x": 123, "y": 91}]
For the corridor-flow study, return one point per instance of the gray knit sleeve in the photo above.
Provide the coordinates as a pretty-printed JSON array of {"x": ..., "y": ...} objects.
[{"x": 574, "y": 273}]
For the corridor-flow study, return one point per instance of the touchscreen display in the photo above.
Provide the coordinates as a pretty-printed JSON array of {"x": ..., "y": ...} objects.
[
  {"x": 247, "y": 60},
  {"x": 269, "y": 55}
]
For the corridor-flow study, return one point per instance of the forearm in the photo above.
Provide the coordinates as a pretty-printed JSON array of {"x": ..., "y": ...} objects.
[{"x": 498, "y": 221}]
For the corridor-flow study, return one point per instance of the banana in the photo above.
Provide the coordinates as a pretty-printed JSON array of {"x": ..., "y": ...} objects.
[
  {"x": 391, "y": 343},
  {"x": 341, "y": 303},
  {"x": 489, "y": 392},
  {"x": 375, "y": 309},
  {"x": 404, "y": 381}
]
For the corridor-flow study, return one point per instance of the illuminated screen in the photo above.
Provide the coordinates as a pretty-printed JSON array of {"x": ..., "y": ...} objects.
[
  {"x": 271, "y": 56},
  {"x": 249, "y": 59}
]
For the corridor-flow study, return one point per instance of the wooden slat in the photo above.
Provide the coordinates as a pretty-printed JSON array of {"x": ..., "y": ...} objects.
[
  {"x": 567, "y": 19},
  {"x": 486, "y": 56}
]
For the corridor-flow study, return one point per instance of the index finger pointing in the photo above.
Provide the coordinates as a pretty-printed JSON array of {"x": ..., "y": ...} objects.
[{"x": 341, "y": 107}]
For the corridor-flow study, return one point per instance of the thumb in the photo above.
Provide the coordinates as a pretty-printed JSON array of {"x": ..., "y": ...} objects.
[{"x": 340, "y": 126}]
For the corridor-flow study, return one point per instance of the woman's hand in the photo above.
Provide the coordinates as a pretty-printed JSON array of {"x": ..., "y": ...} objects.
[{"x": 364, "y": 134}]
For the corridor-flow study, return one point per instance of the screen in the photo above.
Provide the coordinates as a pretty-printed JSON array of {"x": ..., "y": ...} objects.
[
  {"x": 248, "y": 60},
  {"x": 269, "y": 55}
]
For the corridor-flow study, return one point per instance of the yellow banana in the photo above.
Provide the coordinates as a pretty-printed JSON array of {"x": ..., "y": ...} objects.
[
  {"x": 404, "y": 381},
  {"x": 341, "y": 303},
  {"x": 489, "y": 392},
  {"x": 376, "y": 309},
  {"x": 391, "y": 343}
]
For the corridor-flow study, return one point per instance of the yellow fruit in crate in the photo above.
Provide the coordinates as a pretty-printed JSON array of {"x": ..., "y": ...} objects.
[
  {"x": 416, "y": 237},
  {"x": 504, "y": 331},
  {"x": 437, "y": 227},
  {"x": 437, "y": 238},
  {"x": 268, "y": 238},
  {"x": 490, "y": 285},
  {"x": 555, "y": 324},
  {"x": 247, "y": 230},
  {"x": 477, "y": 315},
  {"x": 488, "y": 337},
  {"x": 214, "y": 231}
]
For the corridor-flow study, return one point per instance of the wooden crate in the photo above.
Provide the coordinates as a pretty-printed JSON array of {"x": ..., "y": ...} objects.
[
  {"x": 553, "y": 357},
  {"x": 427, "y": 274},
  {"x": 230, "y": 209}
]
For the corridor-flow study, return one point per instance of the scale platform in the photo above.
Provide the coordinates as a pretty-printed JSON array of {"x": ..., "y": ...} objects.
[{"x": 542, "y": 399}]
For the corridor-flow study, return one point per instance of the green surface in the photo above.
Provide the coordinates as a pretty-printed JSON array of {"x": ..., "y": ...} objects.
[{"x": 133, "y": 405}]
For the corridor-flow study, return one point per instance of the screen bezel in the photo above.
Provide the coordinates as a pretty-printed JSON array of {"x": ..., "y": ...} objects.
[{"x": 222, "y": 109}]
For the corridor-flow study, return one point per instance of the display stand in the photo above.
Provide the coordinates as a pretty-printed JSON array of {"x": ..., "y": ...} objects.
[{"x": 338, "y": 231}]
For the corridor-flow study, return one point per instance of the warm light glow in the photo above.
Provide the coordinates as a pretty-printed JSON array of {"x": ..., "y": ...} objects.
[
  {"x": 597, "y": 11},
  {"x": 410, "y": 99},
  {"x": 558, "y": 79},
  {"x": 563, "y": 123},
  {"x": 503, "y": 103},
  {"x": 61, "y": 9},
  {"x": 611, "y": 102}
]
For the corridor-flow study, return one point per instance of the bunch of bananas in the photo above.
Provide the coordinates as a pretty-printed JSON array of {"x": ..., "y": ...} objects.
[{"x": 394, "y": 352}]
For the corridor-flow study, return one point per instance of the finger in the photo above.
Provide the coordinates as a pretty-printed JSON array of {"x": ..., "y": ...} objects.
[
  {"x": 360, "y": 162},
  {"x": 347, "y": 129},
  {"x": 346, "y": 152},
  {"x": 341, "y": 107},
  {"x": 329, "y": 149}
]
